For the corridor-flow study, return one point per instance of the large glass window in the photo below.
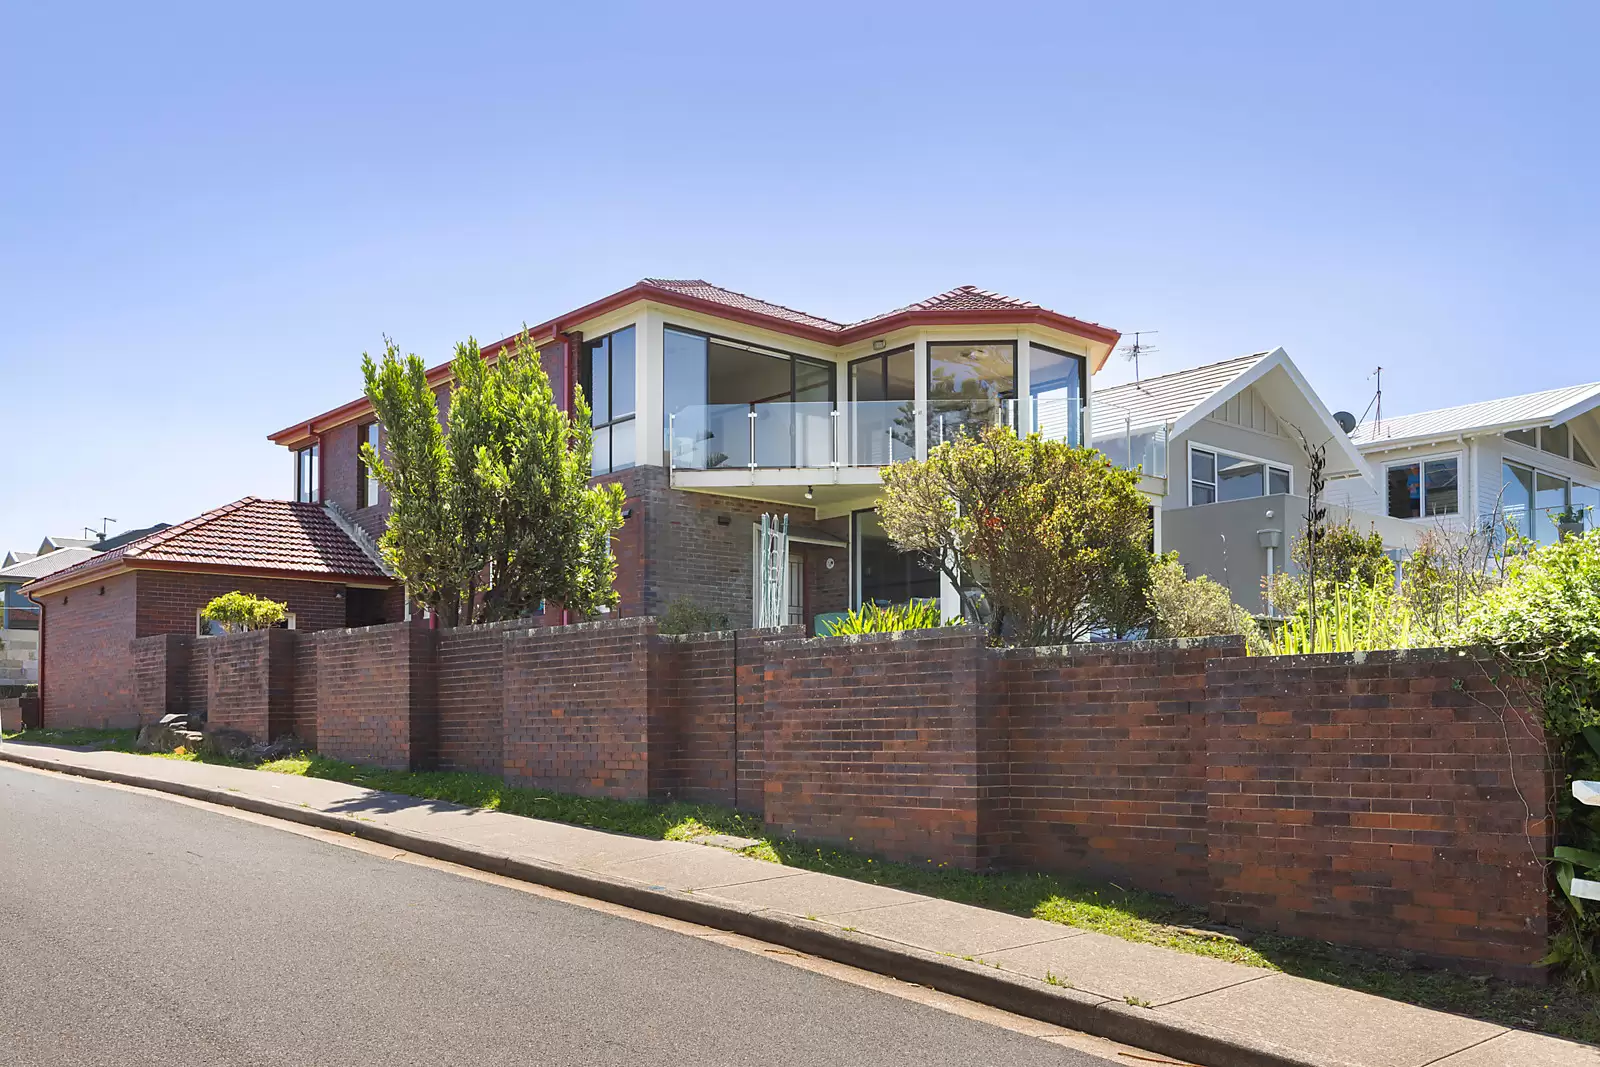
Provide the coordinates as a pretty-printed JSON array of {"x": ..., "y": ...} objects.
[
  {"x": 730, "y": 404},
  {"x": 367, "y": 484},
  {"x": 968, "y": 385},
  {"x": 1429, "y": 487},
  {"x": 1535, "y": 502},
  {"x": 1056, "y": 384},
  {"x": 305, "y": 475},
  {"x": 1216, "y": 476},
  {"x": 1516, "y": 497},
  {"x": 1558, "y": 440},
  {"x": 882, "y": 425},
  {"x": 606, "y": 374},
  {"x": 885, "y": 575}
]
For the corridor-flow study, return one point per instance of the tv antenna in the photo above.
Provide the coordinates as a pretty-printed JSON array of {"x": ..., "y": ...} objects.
[
  {"x": 90, "y": 531},
  {"x": 1376, "y": 401},
  {"x": 1136, "y": 348}
]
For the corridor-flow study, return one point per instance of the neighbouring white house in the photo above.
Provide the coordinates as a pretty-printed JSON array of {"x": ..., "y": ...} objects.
[
  {"x": 1232, "y": 441},
  {"x": 1527, "y": 461}
]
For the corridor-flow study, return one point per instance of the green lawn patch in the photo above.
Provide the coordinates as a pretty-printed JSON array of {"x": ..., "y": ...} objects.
[{"x": 1104, "y": 907}]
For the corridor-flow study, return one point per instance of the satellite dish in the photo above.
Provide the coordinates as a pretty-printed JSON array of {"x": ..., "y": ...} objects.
[{"x": 1346, "y": 421}]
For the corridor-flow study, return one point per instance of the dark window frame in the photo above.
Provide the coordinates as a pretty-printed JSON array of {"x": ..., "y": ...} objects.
[
  {"x": 586, "y": 381},
  {"x": 1421, "y": 465},
  {"x": 306, "y": 461},
  {"x": 1268, "y": 466},
  {"x": 850, "y": 366},
  {"x": 367, "y": 486}
]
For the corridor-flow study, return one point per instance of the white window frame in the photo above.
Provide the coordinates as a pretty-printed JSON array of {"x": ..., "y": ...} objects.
[
  {"x": 1421, "y": 463},
  {"x": 1267, "y": 465},
  {"x": 1574, "y": 440}
]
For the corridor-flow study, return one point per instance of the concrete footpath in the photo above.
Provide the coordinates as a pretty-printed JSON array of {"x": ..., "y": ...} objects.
[{"x": 1192, "y": 1008}]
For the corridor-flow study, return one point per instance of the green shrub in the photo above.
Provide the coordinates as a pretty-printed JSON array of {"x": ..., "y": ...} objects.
[
  {"x": 1194, "y": 607},
  {"x": 871, "y": 619},
  {"x": 237, "y": 612},
  {"x": 684, "y": 616},
  {"x": 1543, "y": 622}
]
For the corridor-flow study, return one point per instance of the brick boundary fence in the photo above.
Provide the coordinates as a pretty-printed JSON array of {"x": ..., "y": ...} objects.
[{"x": 1391, "y": 801}]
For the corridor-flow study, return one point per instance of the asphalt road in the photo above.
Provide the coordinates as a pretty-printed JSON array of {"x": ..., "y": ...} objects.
[{"x": 134, "y": 930}]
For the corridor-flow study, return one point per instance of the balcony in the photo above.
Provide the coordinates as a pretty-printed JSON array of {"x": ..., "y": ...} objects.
[{"x": 863, "y": 434}]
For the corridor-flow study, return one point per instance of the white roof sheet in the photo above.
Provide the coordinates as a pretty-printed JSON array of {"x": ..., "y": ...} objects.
[
  {"x": 1530, "y": 409},
  {"x": 1164, "y": 399},
  {"x": 49, "y": 563}
]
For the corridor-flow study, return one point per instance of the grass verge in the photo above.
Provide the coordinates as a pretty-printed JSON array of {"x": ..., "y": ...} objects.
[{"x": 1130, "y": 914}]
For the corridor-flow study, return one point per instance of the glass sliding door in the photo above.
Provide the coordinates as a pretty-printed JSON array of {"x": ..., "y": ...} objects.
[
  {"x": 882, "y": 419},
  {"x": 883, "y": 574},
  {"x": 729, "y": 404}
]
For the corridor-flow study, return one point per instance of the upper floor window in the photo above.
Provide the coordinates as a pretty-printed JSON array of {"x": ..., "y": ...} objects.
[
  {"x": 606, "y": 374},
  {"x": 968, "y": 385},
  {"x": 305, "y": 475},
  {"x": 366, "y": 482},
  {"x": 1424, "y": 488},
  {"x": 1221, "y": 476},
  {"x": 1536, "y": 502},
  {"x": 1056, "y": 384},
  {"x": 1557, "y": 440}
]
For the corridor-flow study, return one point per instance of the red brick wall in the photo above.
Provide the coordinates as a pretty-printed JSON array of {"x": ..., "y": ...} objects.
[
  {"x": 161, "y": 675},
  {"x": 706, "y": 730},
  {"x": 341, "y": 478},
  {"x": 577, "y": 705},
  {"x": 169, "y": 600},
  {"x": 876, "y": 739},
  {"x": 376, "y": 695},
  {"x": 1107, "y": 761},
  {"x": 303, "y": 705},
  {"x": 87, "y": 662},
  {"x": 1378, "y": 800},
  {"x": 471, "y": 666},
  {"x": 250, "y": 683}
]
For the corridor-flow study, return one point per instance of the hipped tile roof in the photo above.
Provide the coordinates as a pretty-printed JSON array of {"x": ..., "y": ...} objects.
[{"x": 249, "y": 535}]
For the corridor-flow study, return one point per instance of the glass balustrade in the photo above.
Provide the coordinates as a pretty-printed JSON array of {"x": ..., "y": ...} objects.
[{"x": 876, "y": 433}]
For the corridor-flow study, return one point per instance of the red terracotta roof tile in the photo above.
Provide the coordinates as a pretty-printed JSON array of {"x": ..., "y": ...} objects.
[
  {"x": 962, "y": 298},
  {"x": 250, "y": 534},
  {"x": 704, "y": 290}
]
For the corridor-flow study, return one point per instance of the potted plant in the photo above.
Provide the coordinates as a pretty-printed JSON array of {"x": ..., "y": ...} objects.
[{"x": 1570, "y": 521}]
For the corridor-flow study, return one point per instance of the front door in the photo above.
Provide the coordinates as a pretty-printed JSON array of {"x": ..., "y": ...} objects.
[{"x": 797, "y": 589}]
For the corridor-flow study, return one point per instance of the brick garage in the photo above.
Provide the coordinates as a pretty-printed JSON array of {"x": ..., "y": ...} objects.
[{"x": 94, "y": 612}]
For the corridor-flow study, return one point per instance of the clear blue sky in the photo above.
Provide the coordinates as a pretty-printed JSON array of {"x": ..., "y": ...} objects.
[{"x": 207, "y": 215}]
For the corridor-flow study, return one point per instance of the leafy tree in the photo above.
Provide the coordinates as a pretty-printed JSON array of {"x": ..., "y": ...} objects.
[
  {"x": 492, "y": 513},
  {"x": 237, "y": 612},
  {"x": 1030, "y": 530}
]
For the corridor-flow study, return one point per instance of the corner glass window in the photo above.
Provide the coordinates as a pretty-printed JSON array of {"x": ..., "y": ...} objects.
[
  {"x": 606, "y": 375},
  {"x": 1516, "y": 497},
  {"x": 1424, "y": 488},
  {"x": 968, "y": 385},
  {"x": 1056, "y": 384},
  {"x": 1556, "y": 440},
  {"x": 305, "y": 475},
  {"x": 882, "y": 414}
]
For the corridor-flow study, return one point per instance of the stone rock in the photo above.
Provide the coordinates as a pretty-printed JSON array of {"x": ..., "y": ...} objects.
[
  {"x": 224, "y": 743},
  {"x": 161, "y": 736},
  {"x": 283, "y": 747}
]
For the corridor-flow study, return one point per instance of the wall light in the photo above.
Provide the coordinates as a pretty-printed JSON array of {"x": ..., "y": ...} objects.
[
  {"x": 880, "y": 344},
  {"x": 627, "y": 513}
]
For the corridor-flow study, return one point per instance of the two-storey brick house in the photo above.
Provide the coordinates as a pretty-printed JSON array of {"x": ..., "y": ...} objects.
[{"x": 711, "y": 408}]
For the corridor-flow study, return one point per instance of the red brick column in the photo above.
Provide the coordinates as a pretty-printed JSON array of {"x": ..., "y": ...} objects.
[
  {"x": 578, "y": 701},
  {"x": 377, "y": 696},
  {"x": 875, "y": 739},
  {"x": 250, "y": 683},
  {"x": 1389, "y": 800},
  {"x": 161, "y": 675}
]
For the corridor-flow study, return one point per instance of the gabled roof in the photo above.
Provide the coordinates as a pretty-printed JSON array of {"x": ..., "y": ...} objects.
[
  {"x": 1181, "y": 399},
  {"x": 248, "y": 536},
  {"x": 965, "y": 305},
  {"x": 37, "y": 566},
  {"x": 17, "y": 557},
  {"x": 51, "y": 544},
  {"x": 1547, "y": 408},
  {"x": 1166, "y": 399}
]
